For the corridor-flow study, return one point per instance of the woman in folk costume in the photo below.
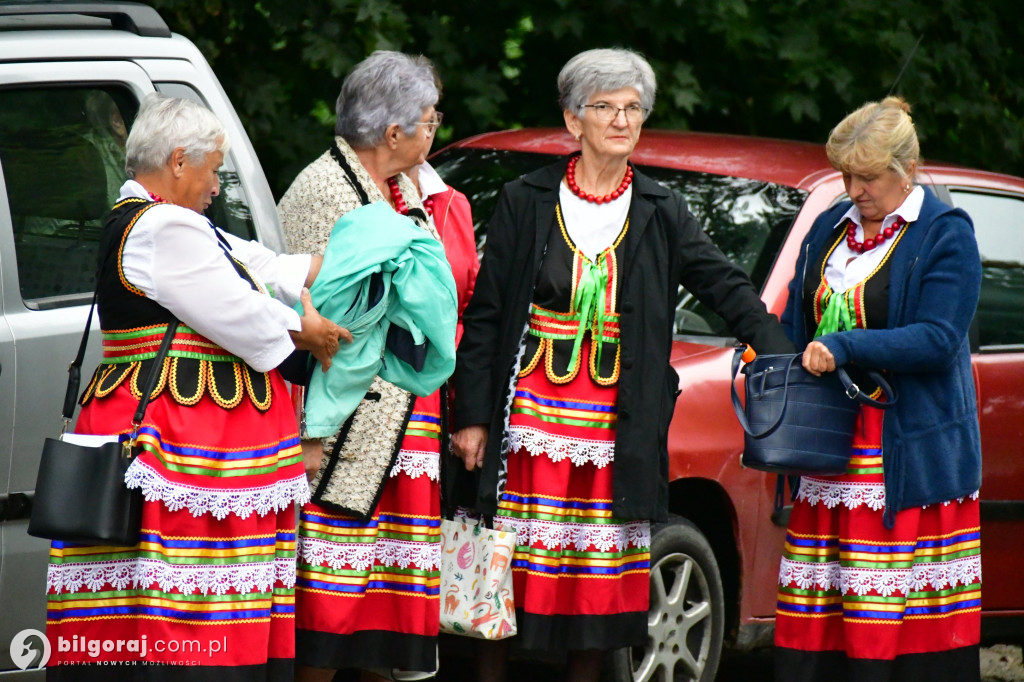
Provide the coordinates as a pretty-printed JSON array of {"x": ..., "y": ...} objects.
[
  {"x": 222, "y": 465},
  {"x": 563, "y": 386},
  {"x": 881, "y": 571},
  {"x": 367, "y": 590}
]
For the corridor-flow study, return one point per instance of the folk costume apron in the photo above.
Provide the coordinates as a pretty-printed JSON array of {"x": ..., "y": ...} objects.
[
  {"x": 207, "y": 594},
  {"x": 858, "y": 601},
  {"x": 580, "y": 574},
  {"x": 367, "y": 591}
]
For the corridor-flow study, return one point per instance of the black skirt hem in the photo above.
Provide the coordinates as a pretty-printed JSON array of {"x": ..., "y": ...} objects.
[
  {"x": 580, "y": 633},
  {"x": 365, "y": 649},
  {"x": 953, "y": 665}
]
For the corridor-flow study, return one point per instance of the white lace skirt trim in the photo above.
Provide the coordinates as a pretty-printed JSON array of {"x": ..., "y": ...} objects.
[
  {"x": 557, "y": 448},
  {"x": 850, "y": 495},
  {"x": 831, "y": 576},
  {"x": 199, "y": 579},
  {"x": 415, "y": 464},
  {"x": 579, "y": 536},
  {"x": 363, "y": 556},
  {"x": 220, "y": 503}
]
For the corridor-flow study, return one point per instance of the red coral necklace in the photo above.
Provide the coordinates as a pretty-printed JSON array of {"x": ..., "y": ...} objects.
[
  {"x": 399, "y": 200},
  {"x": 570, "y": 180},
  {"x": 868, "y": 244}
]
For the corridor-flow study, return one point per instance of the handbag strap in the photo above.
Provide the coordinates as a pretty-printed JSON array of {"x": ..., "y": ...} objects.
[
  {"x": 75, "y": 368},
  {"x": 154, "y": 372},
  {"x": 851, "y": 389},
  {"x": 349, "y": 173}
]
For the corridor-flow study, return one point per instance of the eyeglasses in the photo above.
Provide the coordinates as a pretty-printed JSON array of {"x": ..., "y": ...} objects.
[
  {"x": 432, "y": 125},
  {"x": 607, "y": 113}
]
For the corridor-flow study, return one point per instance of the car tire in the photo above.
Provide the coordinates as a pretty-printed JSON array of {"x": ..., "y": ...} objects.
[{"x": 686, "y": 621}]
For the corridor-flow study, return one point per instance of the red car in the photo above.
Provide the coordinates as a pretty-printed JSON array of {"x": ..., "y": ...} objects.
[{"x": 715, "y": 566}]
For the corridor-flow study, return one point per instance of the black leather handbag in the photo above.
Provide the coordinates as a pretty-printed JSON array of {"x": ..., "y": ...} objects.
[
  {"x": 796, "y": 423},
  {"x": 80, "y": 492}
]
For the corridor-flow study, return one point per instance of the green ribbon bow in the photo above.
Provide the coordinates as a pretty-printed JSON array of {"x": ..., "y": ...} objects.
[
  {"x": 837, "y": 314},
  {"x": 589, "y": 303}
]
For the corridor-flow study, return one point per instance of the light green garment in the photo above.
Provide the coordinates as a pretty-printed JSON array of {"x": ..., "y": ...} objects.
[{"x": 418, "y": 295}]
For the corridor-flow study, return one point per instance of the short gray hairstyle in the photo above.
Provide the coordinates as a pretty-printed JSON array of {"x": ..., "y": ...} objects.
[
  {"x": 384, "y": 89},
  {"x": 166, "y": 123},
  {"x": 604, "y": 70}
]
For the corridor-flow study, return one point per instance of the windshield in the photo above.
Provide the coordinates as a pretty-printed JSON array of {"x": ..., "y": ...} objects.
[{"x": 747, "y": 219}]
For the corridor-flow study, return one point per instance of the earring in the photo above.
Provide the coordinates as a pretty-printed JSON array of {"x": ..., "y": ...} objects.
[{"x": 906, "y": 190}]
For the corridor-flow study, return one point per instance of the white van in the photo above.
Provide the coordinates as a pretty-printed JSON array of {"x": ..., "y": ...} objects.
[{"x": 71, "y": 79}]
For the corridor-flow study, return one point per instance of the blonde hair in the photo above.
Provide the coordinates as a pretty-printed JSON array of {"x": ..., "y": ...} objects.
[{"x": 877, "y": 136}]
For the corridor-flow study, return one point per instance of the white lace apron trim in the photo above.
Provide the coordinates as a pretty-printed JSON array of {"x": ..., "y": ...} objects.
[
  {"x": 142, "y": 573},
  {"x": 861, "y": 581},
  {"x": 578, "y": 450},
  {"x": 416, "y": 463},
  {"x": 220, "y": 503},
  {"x": 362, "y": 556},
  {"x": 851, "y": 495},
  {"x": 606, "y": 538}
]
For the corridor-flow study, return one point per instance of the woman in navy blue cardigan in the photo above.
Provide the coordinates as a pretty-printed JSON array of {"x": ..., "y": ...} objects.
[{"x": 881, "y": 571}]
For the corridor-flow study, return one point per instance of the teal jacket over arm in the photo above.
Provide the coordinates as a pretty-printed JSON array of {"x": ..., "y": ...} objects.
[{"x": 381, "y": 269}]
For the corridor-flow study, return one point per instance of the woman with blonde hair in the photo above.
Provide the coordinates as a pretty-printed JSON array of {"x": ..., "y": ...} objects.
[{"x": 881, "y": 570}]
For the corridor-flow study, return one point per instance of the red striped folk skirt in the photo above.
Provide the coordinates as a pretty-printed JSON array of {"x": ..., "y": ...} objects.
[
  {"x": 580, "y": 575},
  {"x": 857, "y": 601},
  {"x": 211, "y": 581},
  {"x": 367, "y": 591}
]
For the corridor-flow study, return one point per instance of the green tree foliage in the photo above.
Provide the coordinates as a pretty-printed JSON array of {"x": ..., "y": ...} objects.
[{"x": 754, "y": 67}]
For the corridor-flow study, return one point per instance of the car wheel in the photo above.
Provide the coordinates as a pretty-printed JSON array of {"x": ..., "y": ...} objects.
[{"x": 686, "y": 621}]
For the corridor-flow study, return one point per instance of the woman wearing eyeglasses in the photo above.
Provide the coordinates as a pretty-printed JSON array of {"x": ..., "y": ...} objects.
[
  {"x": 366, "y": 590},
  {"x": 564, "y": 390}
]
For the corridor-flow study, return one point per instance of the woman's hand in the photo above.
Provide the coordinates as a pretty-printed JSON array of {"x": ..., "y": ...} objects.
[
  {"x": 312, "y": 455},
  {"x": 319, "y": 336},
  {"x": 818, "y": 359},
  {"x": 469, "y": 445}
]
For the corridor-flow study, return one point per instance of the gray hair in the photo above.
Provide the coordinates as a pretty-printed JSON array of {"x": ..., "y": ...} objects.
[
  {"x": 604, "y": 70},
  {"x": 384, "y": 89},
  {"x": 166, "y": 123}
]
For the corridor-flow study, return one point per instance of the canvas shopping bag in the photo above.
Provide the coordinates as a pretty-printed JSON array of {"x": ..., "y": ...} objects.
[{"x": 476, "y": 580}]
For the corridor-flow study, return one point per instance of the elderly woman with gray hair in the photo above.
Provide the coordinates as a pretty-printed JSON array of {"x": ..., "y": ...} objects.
[
  {"x": 563, "y": 387},
  {"x": 221, "y": 468},
  {"x": 367, "y": 588}
]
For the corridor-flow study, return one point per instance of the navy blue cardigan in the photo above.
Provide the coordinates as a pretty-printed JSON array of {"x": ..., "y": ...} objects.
[{"x": 930, "y": 439}]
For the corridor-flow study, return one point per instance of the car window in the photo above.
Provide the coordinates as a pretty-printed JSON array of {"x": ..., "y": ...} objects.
[
  {"x": 62, "y": 155},
  {"x": 747, "y": 219},
  {"x": 230, "y": 209},
  {"x": 999, "y": 227}
]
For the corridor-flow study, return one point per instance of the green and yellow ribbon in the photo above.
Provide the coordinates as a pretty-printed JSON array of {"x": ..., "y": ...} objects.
[
  {"x": 838, "y": 313},
  {"x": 589, "y": 303}
]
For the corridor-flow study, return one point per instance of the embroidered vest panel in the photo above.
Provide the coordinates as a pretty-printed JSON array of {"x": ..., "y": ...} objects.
[
  {"x": 134, "y": 326},
  {"x": 575, "y": 298},
  {"x": 866, "y": 303}
]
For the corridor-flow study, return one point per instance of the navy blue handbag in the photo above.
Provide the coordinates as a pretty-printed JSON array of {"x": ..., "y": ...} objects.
[{"x": 796, "y": 423}]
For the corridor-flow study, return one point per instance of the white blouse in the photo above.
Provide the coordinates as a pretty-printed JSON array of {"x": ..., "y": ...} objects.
[
  {"x": 845, "y": 267},
  {"x": 173, "y": 256},
  {"x": 593, "y": 227}
]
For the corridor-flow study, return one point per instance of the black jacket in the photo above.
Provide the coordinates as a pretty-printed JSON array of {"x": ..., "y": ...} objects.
[{"x": 664, "y": 247}]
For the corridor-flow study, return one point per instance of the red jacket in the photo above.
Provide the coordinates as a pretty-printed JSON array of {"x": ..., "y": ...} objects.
[{"x": 454, "y": 222}]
